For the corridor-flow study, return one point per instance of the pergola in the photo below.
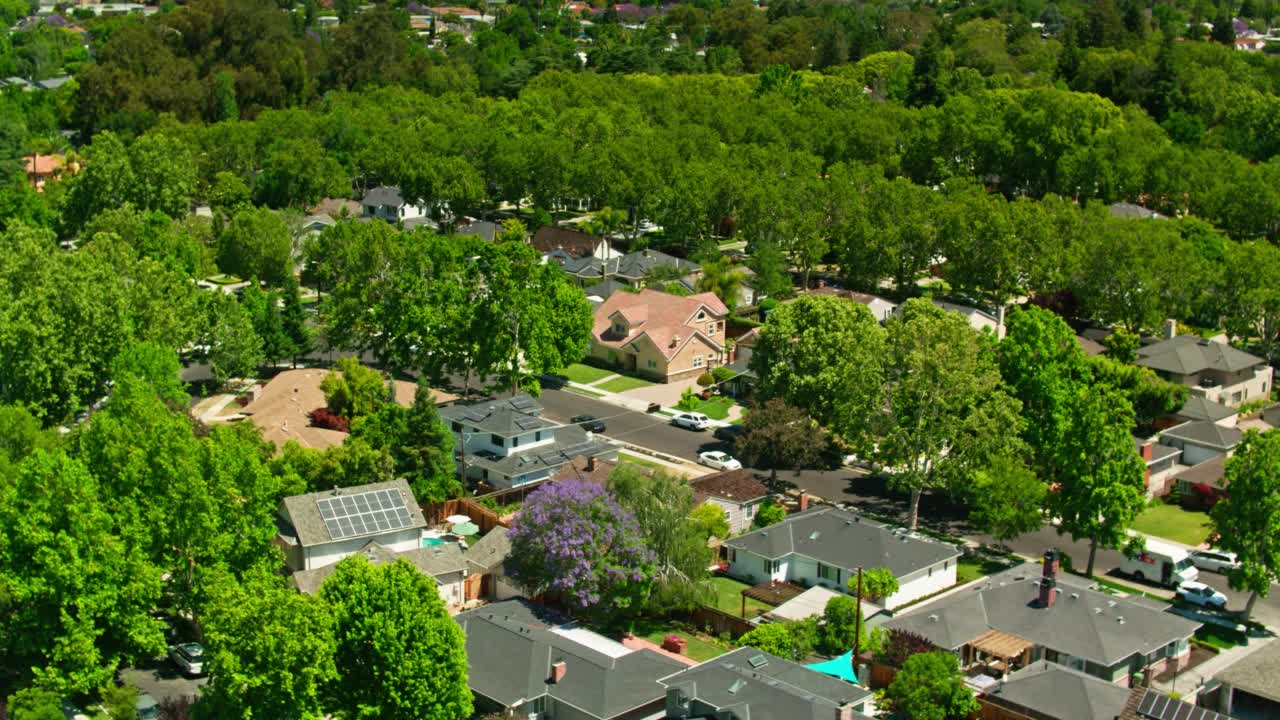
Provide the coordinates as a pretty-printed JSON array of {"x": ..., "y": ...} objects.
[
  {"x": 1008, "y": 651},
  {"x": 773, "y": 592}
]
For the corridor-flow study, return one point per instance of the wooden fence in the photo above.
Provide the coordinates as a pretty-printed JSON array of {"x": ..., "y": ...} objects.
[
  {"x": 479, "y": 514},
  {"x": 717, "y": 622},
  {"x": 882, "y": 675}
]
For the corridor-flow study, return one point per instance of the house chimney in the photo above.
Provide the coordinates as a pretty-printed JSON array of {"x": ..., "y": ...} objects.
[
  {"x": 1170, "y": 328},
  {"x": 591, "y": 463},
  {"x": 844, "y": 712},
  {"x": 1049, "y": 581},
  {"x": 1148, "y": 448},
  {"x": 675, "y": 340},
  {"x": 804, "y": 501},
  {"x": 558, "y": 670}
]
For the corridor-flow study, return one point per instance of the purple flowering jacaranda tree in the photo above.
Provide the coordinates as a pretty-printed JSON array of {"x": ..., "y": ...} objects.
[{"x": 573, "y": 539}]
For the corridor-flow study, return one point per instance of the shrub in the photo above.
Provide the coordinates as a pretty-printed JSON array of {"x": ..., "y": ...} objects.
[
  {"x": 723, "y": 374},
  {"x": 329, "y": 420},
  {"x": 706, "y": 379},
  {"x": 899, "y": 645},
  {"x": 688, "y": 400}
]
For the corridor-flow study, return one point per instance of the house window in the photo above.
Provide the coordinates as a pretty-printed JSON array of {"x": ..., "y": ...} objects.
[
  {"x": 733, "y": 555},
  {"x": 401, "y": 212},
  {"x": 771, "y": 566},
  {"x": 537, "y": 436},
  {"x": 702, "y": 315},
  {"x": 497, "y": 440},
  {"x": 620, "y": 328},
  {"x": 711, "y": 328},
  {"x": 930, "y": 572},
  {"x": 697, "y": 361},
  {"x": 515, "y": 441},
  {"x": 751, "y": 510},
  {"x": 653, "y": 364},
  {"x": 827, "y": 572}
]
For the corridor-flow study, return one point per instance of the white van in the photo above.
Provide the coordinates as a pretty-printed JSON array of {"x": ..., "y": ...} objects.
[{"x": 1160, "y": 563}]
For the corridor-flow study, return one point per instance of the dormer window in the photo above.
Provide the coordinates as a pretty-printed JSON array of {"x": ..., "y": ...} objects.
[
  {"x": 702, "y": 315},
  {"x": 711, "y": 328},
  {"x": 620, "y": 329}
]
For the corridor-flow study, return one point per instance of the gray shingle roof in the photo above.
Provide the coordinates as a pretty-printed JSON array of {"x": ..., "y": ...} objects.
[
  {"x": 633, "y": 265},
  {"x": 777, "y": 689},
  {"x": 511, "y": 646},
  {"x": 1188, "y": 354},
  {"x": 1129, "y": 210},
  {"x": 571, "y": 441},
  {"x": 1082, "y": 622},
  {"x": 845, "y": 540},
  {"x": 434, "y": 562},
  {"x": 1202, "y": 432},
  {"x": 383, "y": 195},
  {"x": 507, "y": 416},
  {"x": 1063, "y": 694},
  {"x": 489, "y": 551},
  {"x": 1257, "y": 673},
  {"x": 300, "y": 515},
  {"x": 480, "y": 228},
  {"x": 1200, "y": 408}
]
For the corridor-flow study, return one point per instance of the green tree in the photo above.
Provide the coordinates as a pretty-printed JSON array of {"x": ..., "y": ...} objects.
[
  {"x": 1007, "y": 499},
  {"x": 106, "y": 182},
  {"x": 825, "y": 355},
  {"x": 948, "y": 414},
  {"x": 420, "y": 443},
  {"x": 721, "y": 278},
  {"x": 21, "y": 435},
  {"x": 256, "y": 243},
  {"x": 1249, "y": 294},
  {"x": 270, "y": 651},
  {"x": 770, "y": 513},
  {"x": 770, "y": 266},
  {"x": 230, "y": 345},
  {"x": 841, "y": 626},
  {"x": 779, "y": 436},
  {"x": 228, "y": 194},
  {"x": 1247, "y": 521},
  {"x": 1122, "y": 345},
  {"x": 164, "y": 174},
  {"x": 877, "y": 583},
  {"x": 294, "y": 319},
  {"x": 224, "y": 97},
  {"x": 930, "y": 686},
  {"x": 1100, "y": 488},
  {"x": 120, "y": 701},
  {"x": 156, "y": 365},
  {"x": 399, "y": 655},
  {"x": 35, "y": 703},
  {"x": 353, "y": 390},
  {"x": 711, "y": 521},
  {"x": 1150, "y": 395},
  {"x": 263, "y": 309},
  {"x": 662, "y": 504},
  {"x": 792, "y": 640}
]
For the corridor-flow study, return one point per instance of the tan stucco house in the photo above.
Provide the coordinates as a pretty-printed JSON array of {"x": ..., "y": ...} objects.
[{"x": 659, "y": 335}]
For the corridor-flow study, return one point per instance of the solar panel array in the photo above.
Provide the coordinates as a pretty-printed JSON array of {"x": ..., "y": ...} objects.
[
  {"x": 364, "y": 514},
  {"x": 1158, "y": 706}
]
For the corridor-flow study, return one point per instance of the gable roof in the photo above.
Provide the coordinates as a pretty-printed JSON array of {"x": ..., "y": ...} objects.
[
  {"x": 880, "y": 308},
  {"x": 302, "y": 514},
  {"x": 633, "y": 265},
  {"x": 511, "y": 646},
  {"x": 480, "y": 228},
  {"x": 1206, "y": 434},
  {"x": 668, "y": 319},
  {"x": 433, "y": 562},
  {"x": 1257, "y": 673},
  {"x": 383, "y": 195},
  {"x": 844, "y": 540},
  {"x": 1210, "y": 472},
  {"x": 1129, "y": 210},
  {"x": 736, "y": 486},
  {"x": 1081, "y": 622},
  {"x": 1188, "y": 354},
  {"x": 1061, "y": 693},
  {"x": 759, "y": 685},
  {"x": 1198, "y": 407},
  {"x": 489, "y": 551},
  {"x": 504, "y": 416},
  {"x": 575, "y": 243}
]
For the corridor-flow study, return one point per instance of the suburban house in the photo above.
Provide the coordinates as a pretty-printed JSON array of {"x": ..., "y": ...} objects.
[
  {"x": 486, "y": 560},
  {"x": 825, "y": 546},
  {"x": 658, "y": 335},
  {"x": 442, "y": 563},
  {"x": 526, "y": 662},
  {"x": 316, "y": 224},
  {"x": 1049, "y": 691},
  {"x": 1198, "y": 407},
  {"x": 386, "y": 203},
  {"x": 1133, "y": 212},
  {"x": 1212, "y": 370},
  {"x": 507, "y": 443},
  {"x": 322, "y": 528},
  {"x": 483, "y": 229},
  {"x": 561, "y": 245},
  {"x": 1203, "y": 484},
  {"x": 1029, "y": 614},
  {"x": 43, "y": 168},
  {"x": 632, "y": 268},
  {"x": 1201, "y": 440},
  {"x": 748, "y": 684},
  {"x": 748, "y": 294},
  {"x": 880, "y": 308},
  {"x": 599, "y": 292},
  {"x": 979, "y": 320},
  {"x": 1249, "y": 689},
  {"x": 737, "y": 492},
  {"x": 592, "y": 469},
  {"x": 1160, "y": 461}
]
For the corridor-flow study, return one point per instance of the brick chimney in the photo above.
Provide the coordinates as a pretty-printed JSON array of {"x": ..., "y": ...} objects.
[
  {"x": 591, "y": 463},
  {"x": 821, "y": 283},
  {"x": 1049, "y": 580},
  {"x": 1146, "y": 451},
  {"x": 558, "y": 670}
]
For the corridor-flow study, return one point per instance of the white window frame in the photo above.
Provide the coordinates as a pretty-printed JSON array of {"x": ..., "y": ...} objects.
[{"x": 697, "y": 361}]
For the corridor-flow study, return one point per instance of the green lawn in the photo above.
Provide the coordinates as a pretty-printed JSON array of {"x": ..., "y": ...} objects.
[
  {"x": 1172, "y": 522},
  {"x": 624, "y": 457},
  {"x": 1219, "y": 637},
  {"x": 585, "y": 374},
  {"x": 701, "y": 647},
  {"x": 729, "y": 598},
  {"x": 717, "y": 408},
  {"x": 622, "y": 384},
  {"x": 969, "y": 569}
]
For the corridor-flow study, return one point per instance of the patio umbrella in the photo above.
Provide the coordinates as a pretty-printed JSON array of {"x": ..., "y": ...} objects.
[
  {"x": 466, "y": 528},
  {"x": 455, "y": 519}
]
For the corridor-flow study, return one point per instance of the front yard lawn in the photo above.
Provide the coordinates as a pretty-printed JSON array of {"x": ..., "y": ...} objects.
[
  {"x": 622, "y": 384},
  {"x": 585, "y": 374},
  {"x": 969, "y": 569},
  {"x": 729, "y": 598},
  {"x": 1214, "y": 636},
  {"x": 717, "y": 408},
  {"x": 1172, "y": 522}
]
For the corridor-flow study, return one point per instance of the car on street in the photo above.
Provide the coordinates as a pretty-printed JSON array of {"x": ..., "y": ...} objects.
[
  {"x": 1197, "y": 593},
  {"x": 691, "y": 421},
  {"x": 189, "y": 657},
  {"x": 730, "y": 433},
  {"x": 588, "y": 423},
  {"x": 1219, "y": 561},
  {"x": 718, "y": 460}
]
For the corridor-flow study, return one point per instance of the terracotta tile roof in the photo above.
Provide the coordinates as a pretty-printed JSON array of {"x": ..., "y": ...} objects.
[
  {"x": 670, "y": 319},
  {"x": 44, "y": 164},
  {"x": 738, "y": 486}
]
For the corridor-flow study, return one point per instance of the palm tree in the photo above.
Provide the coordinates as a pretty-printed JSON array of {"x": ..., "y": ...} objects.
[{"x": 721, "y": 278}]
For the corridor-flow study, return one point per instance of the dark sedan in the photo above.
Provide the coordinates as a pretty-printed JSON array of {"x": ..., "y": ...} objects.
[
  {"x": 588, "y": 423},
  {"x": 729, "y": 433}
]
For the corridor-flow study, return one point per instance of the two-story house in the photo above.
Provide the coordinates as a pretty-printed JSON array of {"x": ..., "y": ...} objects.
[
  {"x": 1213, "y": 370},
  {"x": 386, "y": 203},
  {"x": 826, "y": 546},
  {"x": 634, "y": 268},
  {"x": 659, "y": 335},
  {"x": 507, "y": 443},
  {"x": 1029, "y": 614}
]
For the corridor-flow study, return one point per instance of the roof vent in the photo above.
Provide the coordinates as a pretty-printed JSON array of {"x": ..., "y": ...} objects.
[
  {"x": 849, "y": 523},
  {"x": 1097, "y": 611},
  {"x": 758, "y": 661},
  {"x": 1111, "y": 603},
  {"x": 814, "y": 535},
  {"x": 1075, "y": 596},
  {"x": 933, "y": 618},
  {"x": 1120, "y": 619}
]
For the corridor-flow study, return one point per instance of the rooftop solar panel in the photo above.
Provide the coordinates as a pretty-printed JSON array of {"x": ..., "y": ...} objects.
[
  {"x": 1158, "y": 706},
  {"x": 363, "y": 514}
]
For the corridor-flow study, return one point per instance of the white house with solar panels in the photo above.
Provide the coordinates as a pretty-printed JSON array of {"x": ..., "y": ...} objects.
[{"x": 507, "y": 443}]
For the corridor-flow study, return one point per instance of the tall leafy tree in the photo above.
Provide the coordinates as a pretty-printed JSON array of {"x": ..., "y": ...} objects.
[
  {"x": 825, "y": 355},
  {"x": 1247, "y": 521},
  {"x": 420, "y": 443},
  {"x": 930, "y": 686},
  {"x": 353, "y": 390},
  {"x": 398, "y": 654},
  {"x": 947, "y": 414},
  {"x": 779, "y": 436},
  {"x": 293, "y": 318},
  {"x": 256, "y": 243}
]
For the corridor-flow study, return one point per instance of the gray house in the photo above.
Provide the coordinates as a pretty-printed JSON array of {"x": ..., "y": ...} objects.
[
  {"x": 1051, "y": 692},
  {"x": 825, "y": 546},
  {"x": 1201, "y": 440},
  {"x": 1213, "y": 370},
  {"x": 748, "y": 683},
  {"x": 526, "y": 662},
  {"x": 631, "y": 268}
]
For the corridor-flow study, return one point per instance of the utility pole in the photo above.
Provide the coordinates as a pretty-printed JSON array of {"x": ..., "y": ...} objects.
[{"x": 857, "y": 628}]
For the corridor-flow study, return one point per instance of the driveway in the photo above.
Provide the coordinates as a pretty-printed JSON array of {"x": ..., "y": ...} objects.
[
  {"x": 160, "y": 679},
  {"x": 666, "y": 394}
]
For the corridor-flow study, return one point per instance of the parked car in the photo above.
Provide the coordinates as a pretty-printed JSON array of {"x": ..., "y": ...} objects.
[
  {"x": 1161, "y": 563},
  {"x": 730, "y": 433},
  {"x": 1197, "y": 593},
  {"x": 1219, "y": 561},
  {"x": 189, "y": 657},
  {"x": 692, "y": 421},
  {"x": 148, "y": 708},
  {"x": 719, "y": 460},
  {"x": 588, "y": 423}
]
